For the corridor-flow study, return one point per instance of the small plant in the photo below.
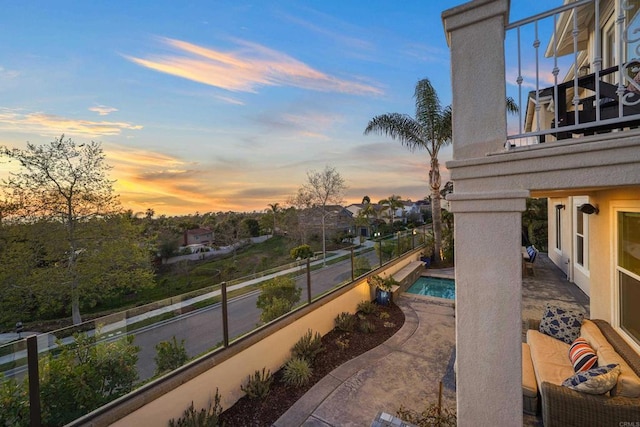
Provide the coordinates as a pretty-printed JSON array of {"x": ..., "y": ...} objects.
[
  {"x": 433, "y": 415},
  {"x": 384, "y": 315},
  {"x": 170, "y": 355},
  {"x": 308, "y": 347},
  {"x": 389, "y": 325},
  {"x": 257, "y": 386},
  {"x": 209, "y": 417},
  {"x": 345, "y": 322},
  {"x": 384, "y": 284},
  {"x": 297, "y": 372},
  {"x": 367, "y": 327},
  {"x": 367, "y": 307},
  {"x": 342, "y": 342}
]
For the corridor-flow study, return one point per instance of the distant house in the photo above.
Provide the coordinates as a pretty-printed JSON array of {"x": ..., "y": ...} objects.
[
  {"x": 203, "y": 236},
  {"x": 337, "y": 220}
]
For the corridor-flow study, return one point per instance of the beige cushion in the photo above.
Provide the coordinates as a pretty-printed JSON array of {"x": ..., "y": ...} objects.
[
  {"x": 593, "y": 335},
  {"x": 529, "y": 386},
  {"x": 550, "y": 358},
  {"x": 628, "y": 384}
]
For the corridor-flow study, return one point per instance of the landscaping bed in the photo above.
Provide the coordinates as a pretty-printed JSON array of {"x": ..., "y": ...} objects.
[{"x": 338, "y": 348}]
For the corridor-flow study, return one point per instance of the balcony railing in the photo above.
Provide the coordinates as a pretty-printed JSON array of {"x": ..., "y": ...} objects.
[
  {"x": 575, "y": 71},
  {"x": 210, "y": 319}
]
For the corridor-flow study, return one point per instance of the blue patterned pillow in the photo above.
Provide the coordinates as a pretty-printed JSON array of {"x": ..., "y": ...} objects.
[
  {"x": 594, "y": 381},
  {"x": 561, "y": 324}
]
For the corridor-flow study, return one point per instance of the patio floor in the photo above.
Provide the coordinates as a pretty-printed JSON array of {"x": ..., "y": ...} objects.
[{"x": 407, "y": 368}]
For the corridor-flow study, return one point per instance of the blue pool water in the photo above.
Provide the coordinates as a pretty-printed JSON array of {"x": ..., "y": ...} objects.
[{"x": 434, "y": 287}]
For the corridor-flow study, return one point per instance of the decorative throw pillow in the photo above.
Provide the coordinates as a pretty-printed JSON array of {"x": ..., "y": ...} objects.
[
  {"x": 582, "y": 356},
  {"x": 561, "y": 324},
  {"x": 594, "y": 381}
]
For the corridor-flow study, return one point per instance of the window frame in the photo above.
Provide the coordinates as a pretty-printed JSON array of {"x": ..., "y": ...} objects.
[{"x": 616, "y": 208}]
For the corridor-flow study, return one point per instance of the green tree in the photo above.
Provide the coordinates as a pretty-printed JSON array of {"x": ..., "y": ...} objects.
[
  {"x": 252, "y": 226},
  {"x": 65, "y": 183},
  {"x": 85, "y": 376},
  {"x": 278, "y": 296},
  {"x": 301, "y": 252}
]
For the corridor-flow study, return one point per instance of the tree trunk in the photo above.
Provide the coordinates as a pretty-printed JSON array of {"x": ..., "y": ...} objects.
[
  {"x": 75, "y": 304},
  {"x": 436, "y": 214}
]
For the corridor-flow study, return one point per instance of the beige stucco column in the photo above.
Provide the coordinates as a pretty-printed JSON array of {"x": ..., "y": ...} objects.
[{"x": 487, "y": 224}]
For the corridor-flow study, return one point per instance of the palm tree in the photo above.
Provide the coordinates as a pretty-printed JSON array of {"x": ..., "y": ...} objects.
[
  {"x": 392, "y": 203},
  {"x": 275, "y": 208},
  {"x": 431, "y": 130}
]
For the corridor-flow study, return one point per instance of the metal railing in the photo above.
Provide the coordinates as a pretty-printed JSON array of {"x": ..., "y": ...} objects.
[
  {"x": 563, "y": 91},
  {"x": 203, "y": 321}
]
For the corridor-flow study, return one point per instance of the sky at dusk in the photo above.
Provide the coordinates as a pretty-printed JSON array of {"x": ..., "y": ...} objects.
[{"x": 207, "y": 106}]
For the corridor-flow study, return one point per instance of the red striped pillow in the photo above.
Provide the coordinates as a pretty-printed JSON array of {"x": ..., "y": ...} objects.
[{"x": 582, "y": 356}]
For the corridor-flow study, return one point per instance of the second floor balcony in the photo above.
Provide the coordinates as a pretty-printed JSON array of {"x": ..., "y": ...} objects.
[{"x": 574, "y": 71}]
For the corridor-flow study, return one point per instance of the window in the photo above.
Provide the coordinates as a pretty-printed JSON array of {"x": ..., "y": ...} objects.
[
  {"x": 628, "y": 269},
  {"x": 580, "y": 237},
  {"x": 559, "y": 227}
]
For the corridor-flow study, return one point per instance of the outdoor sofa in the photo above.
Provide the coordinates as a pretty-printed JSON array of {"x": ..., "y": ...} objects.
[{"x": 546, "y": 365}]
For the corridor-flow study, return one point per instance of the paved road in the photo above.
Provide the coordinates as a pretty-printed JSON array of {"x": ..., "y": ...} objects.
[{"x": 202, "y": 329}]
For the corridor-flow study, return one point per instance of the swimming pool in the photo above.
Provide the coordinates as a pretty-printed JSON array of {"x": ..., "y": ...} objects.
[{"x": 434, "y": 287}]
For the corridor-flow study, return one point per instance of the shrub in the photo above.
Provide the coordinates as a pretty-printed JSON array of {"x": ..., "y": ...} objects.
[
  {"x": 84, "y": 376},
  {"x": 367, "y": 307},
  {"x": 345, "y": 322},
  {"x": 361, "y": 266},
  {"x": 308, "y": 347},
  {"x": 366, "y": 326},
  {"x": 257, "y": 386},
  {"x": 297, "y": 372},
  {"x": 301, "y": 252},
  {"x": 170, "y": 355},
  {"x": 209, "y": 417},
  {"x": 278, "y": 297},
  {"x": 14, "y": 401},
  {"x": 384, "y": 315}
]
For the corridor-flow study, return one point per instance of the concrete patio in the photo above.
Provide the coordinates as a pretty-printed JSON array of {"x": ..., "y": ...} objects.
[{"x": 407, "y": 369}]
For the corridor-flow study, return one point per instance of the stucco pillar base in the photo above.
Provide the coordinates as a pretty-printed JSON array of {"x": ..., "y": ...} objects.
[{"x": 488, "y": 307}]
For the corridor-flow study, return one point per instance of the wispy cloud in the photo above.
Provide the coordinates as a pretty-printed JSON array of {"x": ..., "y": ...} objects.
[
  {"x": 103, "y": 110},
  {"x": 332, "y": 33},
  {"x": 8, "y": 74},
  {"x": 244, "y": 70},
  {"x": 230, "y": 100},
  {"x": 42, "y": 123}
]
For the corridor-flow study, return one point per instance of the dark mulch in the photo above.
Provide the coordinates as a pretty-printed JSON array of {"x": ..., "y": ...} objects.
[{"x": 253, "y": 412}]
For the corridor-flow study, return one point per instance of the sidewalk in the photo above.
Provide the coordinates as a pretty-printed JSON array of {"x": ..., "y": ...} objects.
[{"x": 405, "y": 370}]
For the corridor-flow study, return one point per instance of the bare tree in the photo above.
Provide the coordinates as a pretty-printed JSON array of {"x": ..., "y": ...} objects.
[{"x": 324, "y": 188}]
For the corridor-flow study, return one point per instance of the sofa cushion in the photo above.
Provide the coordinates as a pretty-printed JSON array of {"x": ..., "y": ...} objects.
[
  {"x": 628, "y": 384},
  {"x": 592, "y": 334},
  {"x": 582, "y": 356},
  {"x": 594, "y": 381},
  {"x": 550, "y": 358},
  {"x": 560, "y": 323}
]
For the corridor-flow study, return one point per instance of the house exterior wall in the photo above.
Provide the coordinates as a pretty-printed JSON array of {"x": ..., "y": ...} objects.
[{"x": 491, "y": 185}]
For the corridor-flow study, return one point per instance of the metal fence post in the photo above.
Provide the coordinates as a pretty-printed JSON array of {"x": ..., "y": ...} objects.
[
  {"x": 225, "y": 317},
  {"x": 308, "y": 280},
  {"x": 353, "y": 271},
  {"x": 34, "y": 381}
]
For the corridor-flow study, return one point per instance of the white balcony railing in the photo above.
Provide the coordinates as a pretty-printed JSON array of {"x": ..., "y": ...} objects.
[{"x": 574, "y": 71}]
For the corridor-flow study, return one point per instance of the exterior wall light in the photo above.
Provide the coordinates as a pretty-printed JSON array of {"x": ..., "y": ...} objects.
[
  {"x": 588, "y": 209},
  {"x": 559, "y": 207}
]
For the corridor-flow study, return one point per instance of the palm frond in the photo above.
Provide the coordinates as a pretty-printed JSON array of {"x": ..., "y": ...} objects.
[
  {"x": 397, "y": 126},
  {"x": 512, "y": 107}
]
